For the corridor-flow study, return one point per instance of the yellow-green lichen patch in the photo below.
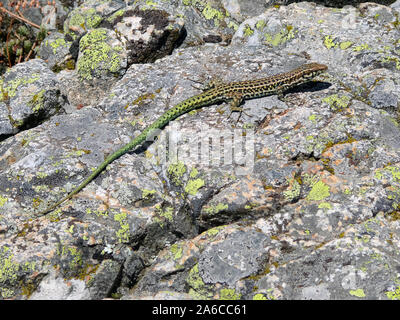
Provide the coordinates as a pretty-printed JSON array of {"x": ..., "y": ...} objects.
[
  {"x": 336, "y": 102},
  {"x": 198, "y": 289},
  {"x": 293, "y": 191},
  {"x": 97, "y": 55},
  {"x": 359, "y": 293},
  {"x": 3, "y": 200},
  {"x": 167, "y": 213},
  {"x": 214, "y": 209},
  {"x": 259, "y": 296},
  {"x": 284, "y": 35},
  {"x": 36, "y": 102},
  {"x": 319, "y": 191},
  {"x": 60, "y": 42},
  {"x": 147, "y": 194},
  {"x": 193, "y": 173},
  {"x": 10, "y": 90},
  {"x": 193, "y": 186},
  {"x": 248, "y": 31},
  {"x": 123, "y": 232},
  {"x": 228, "y": 294},
  {"x": 214, "y": 231},
  {"x": 176, "y": 251},
  {"x": 176, "y": 172},
  {"x": 345, "y": 45},
  {"x": 260, "y": 25},
  {"x": 9, "y": 272},
  {"x": 85, "y": 20},
  {"x": 329, "y": 42},
  {"x": 213, "y": 14},
  {"x": 393, "y": 295},
  {"x": 325, "y": 205},
  {"x": 361, "y": 47}
]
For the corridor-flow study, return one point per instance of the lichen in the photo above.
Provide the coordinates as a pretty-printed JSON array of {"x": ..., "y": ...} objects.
[
  {"x": 123, "y": 232},
  {"x": 9, "y": 270},
  {"x": 193, "y": 186},
  {"x": 147, "y": 194},
  {"x": 10, "y": 90},
  {"x": 259, "y": 296},
  {"x": 198, "y": 289},
  {"x": 248, "y": 31},
  {"x": 3, "y": 201},
  {"x": 359, "y": 293},
  {"x": 319, "y": 191},
  {"x": 329, "y": 43},
  {"x": 336, "y": 102},
  {"x": 345, "y": 45},
  {"x": 212, "y": 14},
  {"x": 176, "y": 251},
  {"x": 282, "y": 37},
  {"x": 36, "y": 102},
  {"x": 97, "y": 55},
  {"x": 176, "y": 172},
  {"x": 293, "y": 191},
  {"x": 229, "y": 294},
  {"x": 393, "y": 295},
  {"x": 59, "y": 42},
  {"x": 214, "y": 209}
]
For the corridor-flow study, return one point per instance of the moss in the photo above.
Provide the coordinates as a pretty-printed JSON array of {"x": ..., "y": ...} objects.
[
  {"x": 357, "y": 293},
  {"x": 193, "y": 186},
  {"x": 228, "y": 294},
  {"x": 319, "y": 191}
]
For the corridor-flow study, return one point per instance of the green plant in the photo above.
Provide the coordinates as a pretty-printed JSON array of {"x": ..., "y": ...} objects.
[{"x": 17, "y": 38}]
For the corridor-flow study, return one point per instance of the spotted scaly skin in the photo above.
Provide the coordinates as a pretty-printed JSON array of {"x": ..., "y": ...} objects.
[{"x": 233, "y": 92}]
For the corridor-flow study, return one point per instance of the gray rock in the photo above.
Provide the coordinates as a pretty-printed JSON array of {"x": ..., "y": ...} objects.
[
  {"x": 296, "y": 199},
  {"x": 30, "y": 94}
]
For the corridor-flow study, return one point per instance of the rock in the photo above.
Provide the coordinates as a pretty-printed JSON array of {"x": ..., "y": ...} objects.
[
  {"x": 297, "y": 198},
  {"x": 30, "y": 94}
]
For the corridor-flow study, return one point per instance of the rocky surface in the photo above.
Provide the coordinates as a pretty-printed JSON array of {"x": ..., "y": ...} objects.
[{"x": 300, "y": 201}]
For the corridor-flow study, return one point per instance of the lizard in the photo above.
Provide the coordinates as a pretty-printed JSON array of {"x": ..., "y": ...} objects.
[{"x": 233, "y": 92}]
